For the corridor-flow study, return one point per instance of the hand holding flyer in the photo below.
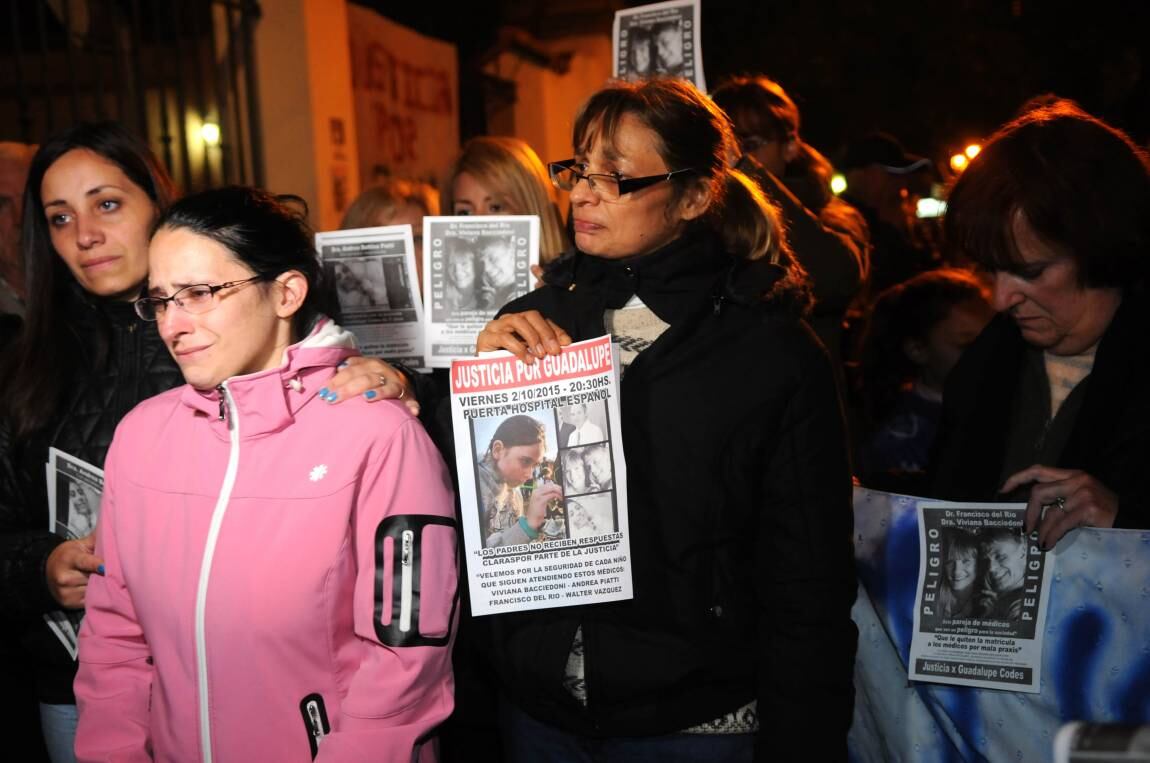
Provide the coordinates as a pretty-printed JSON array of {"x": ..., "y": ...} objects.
[
  {"x": 474, "y": 265},
  {"x": 981, "y": 600},
  {"x": 74, "y": 491},
  {"x": 539, "y": 455}
]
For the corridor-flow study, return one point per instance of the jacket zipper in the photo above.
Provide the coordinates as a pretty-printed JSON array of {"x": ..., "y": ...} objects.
[
  {"x": 228, "y": 413},
  {"x": 407, "y": 541},
  {"x": 315, "y": 721}
]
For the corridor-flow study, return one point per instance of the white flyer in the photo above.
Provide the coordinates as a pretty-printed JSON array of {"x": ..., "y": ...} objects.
[
  {"x": 378, "y": 285},
  {"x": 74, "y": 491},
  {"x": 542, "y": 479},
  {"x": 659, "y": 40},
  {"x": 981, "y": 599},
  {"x": 473, "y": 265}
]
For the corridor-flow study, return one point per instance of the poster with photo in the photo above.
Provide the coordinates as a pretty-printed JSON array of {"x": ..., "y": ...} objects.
[
  {"x": 981, "y": 598},
  {"x": 374, "y": 271},
  {"x": 74, "y": 491},
  {"x": 473, "y": 266},
  {"x": 659, "y": 40},
  {"x": 540, "y": 462}
]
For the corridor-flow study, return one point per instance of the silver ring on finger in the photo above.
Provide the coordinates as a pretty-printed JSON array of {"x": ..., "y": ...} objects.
[{"x": 1060, "y": 504}]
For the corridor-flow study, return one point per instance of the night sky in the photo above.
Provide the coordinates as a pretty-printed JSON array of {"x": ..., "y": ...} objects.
[{"x": 935, "y": 74}]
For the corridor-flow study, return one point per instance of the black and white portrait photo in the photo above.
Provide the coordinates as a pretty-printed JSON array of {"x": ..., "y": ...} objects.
[
  {"x": 360, "y": 283},
  {"x": 659, "y": 40},
  {"x": 473, "y": 266},
  {"x": 375, "y": 276},
  {"x": 582, "y": 423},
  {"x": 591, "y": 515}
]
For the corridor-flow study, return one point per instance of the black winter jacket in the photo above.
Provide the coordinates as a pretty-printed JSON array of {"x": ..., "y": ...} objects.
[
  {"x": 138, "y": 366},
  {"x": 1110, "y": 436},
  {"x": 739, "y": 497}
]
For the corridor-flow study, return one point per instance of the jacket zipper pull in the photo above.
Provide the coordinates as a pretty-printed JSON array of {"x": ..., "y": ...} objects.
[
  {"x": 223, "y": 403},
  {"x": 318, "y": 732},
  {"x": 407, "y": 584}
]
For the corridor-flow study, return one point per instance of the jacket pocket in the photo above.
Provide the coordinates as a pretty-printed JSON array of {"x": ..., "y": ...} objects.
[{"x": 315, "y": 721}]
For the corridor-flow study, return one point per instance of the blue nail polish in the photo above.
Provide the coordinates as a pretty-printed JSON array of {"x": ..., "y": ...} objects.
[
  {"x": 342, "y": 364},
  {"x": 100, "y": 569},
  {"x": 323, "y": 393},
  {"x": 370, "y": 394},
  {"x": 331, "y": 397}
]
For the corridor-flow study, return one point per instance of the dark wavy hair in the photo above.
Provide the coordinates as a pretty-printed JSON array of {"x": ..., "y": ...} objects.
[
  {"x": 908, "y": 311},
  {"x": 268, "y": 234},
  {"x": 776, "y": 117},
  {"x": 1080, "y": 184},
  {"x": 36, "y": 368}
]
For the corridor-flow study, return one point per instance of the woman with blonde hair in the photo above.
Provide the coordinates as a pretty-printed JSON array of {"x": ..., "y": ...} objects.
[{"x": 497, "y": 175}]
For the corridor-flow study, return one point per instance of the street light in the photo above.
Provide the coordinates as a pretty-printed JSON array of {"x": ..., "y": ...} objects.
[{"x": 210, "y": 132}]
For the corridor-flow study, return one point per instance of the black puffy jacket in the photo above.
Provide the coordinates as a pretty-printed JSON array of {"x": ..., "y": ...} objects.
[
  {"x": 739, "y": 503},
  {"x": 137, "y": 367}
]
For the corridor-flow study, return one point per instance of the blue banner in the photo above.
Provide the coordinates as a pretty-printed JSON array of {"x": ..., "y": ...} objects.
[{"x": 1095, "y": 657}]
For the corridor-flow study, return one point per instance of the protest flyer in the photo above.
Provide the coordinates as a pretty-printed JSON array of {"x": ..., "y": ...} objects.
[
  {"x": 374, "y": 273},
  {"x": 542, "y": 479},
  {"x": 473, "y": 265},
  {"x": 981, "y": 599},
  {"x": 659, "y": 40},
  {"x": 74, "y": 490}
]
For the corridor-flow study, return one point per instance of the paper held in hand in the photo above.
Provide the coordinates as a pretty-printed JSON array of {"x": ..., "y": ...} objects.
[
  {"x": 375, "y": 276},
  {"x": 74, "y": 490},
  {"x": 472, "y": 266},
  {"x": 659, "y": 40},
  {"x": 542, "y": 480}
]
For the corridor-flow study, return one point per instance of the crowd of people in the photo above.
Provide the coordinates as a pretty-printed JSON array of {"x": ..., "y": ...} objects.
[{"x": 247, "y": 593}]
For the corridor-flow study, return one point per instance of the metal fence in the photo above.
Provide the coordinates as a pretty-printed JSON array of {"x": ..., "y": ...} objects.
[{"x": 179, "y": 72}]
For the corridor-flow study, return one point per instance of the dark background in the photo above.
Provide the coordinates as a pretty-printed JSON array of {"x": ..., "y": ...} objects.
[{"x": 936, "y": 74}]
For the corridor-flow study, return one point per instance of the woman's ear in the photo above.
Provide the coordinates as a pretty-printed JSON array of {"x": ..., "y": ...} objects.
[
  {"x": 496, "y": 449},
  {"x": 695, "y": 201},
  {"x": 291, "y": 294}
]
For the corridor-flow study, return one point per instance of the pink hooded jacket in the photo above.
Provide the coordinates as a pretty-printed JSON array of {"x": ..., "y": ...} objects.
[{"x": 280, "y": 577}]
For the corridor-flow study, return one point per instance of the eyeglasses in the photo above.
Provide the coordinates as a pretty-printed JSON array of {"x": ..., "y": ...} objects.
[
  {"x": 608, "y": 187},
  {"x": 195, "y": 299}
]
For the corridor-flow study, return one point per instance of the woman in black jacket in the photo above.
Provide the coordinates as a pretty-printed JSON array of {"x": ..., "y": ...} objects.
[
  {"x": 82, "y": 362},
  {"x": 828, "y": 236},
  {"x": 1049, "y": 404},
  {"x": 738, "y": 642}
]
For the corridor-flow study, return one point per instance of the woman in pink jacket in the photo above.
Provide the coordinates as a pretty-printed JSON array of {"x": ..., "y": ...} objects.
[{"x": 280, "y": 575}]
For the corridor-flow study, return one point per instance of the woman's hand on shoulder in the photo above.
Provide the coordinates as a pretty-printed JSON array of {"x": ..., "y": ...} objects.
[
  {"x": 528, "y": 335},
  {"x": 374, "y": 380},
  {"x": 1062, "y": 499},
  {"x": 68, "y": 568}
]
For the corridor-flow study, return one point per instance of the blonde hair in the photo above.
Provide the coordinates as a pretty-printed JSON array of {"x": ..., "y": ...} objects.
[
  {"x": 383, "y": 200},
  {"x": 514, "y": 173}
]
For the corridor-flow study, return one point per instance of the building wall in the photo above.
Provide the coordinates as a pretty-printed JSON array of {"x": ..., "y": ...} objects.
[
  {"x": 544, "y": 111},
  {"x": 304, "y": 74}
]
